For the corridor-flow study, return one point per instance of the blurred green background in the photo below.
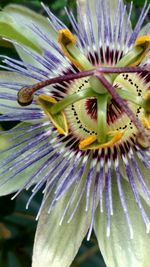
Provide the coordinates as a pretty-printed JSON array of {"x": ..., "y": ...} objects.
[{"x": 18, "y": 225}]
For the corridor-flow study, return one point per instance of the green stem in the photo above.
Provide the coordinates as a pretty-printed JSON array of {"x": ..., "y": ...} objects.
[
  {"x": 102, "y": 117},
  {"x": 70, "y": 99}
]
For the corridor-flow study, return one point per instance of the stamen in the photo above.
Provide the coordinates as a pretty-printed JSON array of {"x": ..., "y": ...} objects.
[
  {"x": 67, "y": 42},
  {"x": 144, "y": 42},
  {"x": 129, "y": 96},
  {"x": 59, "y": 119},
  {"x": 146, "y": 122},
  {"x": 25, "y": 94},
  {"x": 143, "y": 133},
  {"x": 91, "y": 141},
  {"x": 70, "y": 99},
  {"x": 87, "y": 141},
  {"x": 131, "y": 57}
]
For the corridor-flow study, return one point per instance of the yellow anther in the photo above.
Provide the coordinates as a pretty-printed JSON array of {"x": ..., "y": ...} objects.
[
  {"x": 146, "y": 123},
  {"x": 91, "y": 143},
  {"x": 87, "y": 141},
  {"x": 117, "y": 137},
  {"x": 47, "y": 98},
  {"x": 147, "y": 96},
  {"x": 143, "y": 41},
  {"x": 146, "y": 102},
  {"x": 66, "y": 39},
  {"x": 59, "y": 119}
]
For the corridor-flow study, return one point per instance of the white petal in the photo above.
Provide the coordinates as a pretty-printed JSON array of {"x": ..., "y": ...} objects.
[
  {"x": 25, "y": 18},
  {"x": 15, "y": 166},
  {"x": 119, "y": 250},
  {"x": 56, "y": 245}
]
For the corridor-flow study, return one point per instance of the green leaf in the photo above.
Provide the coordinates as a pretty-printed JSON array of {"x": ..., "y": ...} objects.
[
  {"x": 57, "y": 244},
  {"x": 3, "y": 259},
  {"x": 75, "y": 264},
  {"x": 138, "y": 3},
  {"x": 119, "y": 250}
]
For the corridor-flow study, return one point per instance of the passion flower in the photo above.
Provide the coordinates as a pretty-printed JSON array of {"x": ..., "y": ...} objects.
[{"x": 84, "y": 102}]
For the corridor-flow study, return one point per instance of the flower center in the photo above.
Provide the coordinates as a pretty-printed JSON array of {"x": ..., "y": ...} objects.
[
  {"x": 101, "y": 107},
  {"x": 82, "y": 116}
]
